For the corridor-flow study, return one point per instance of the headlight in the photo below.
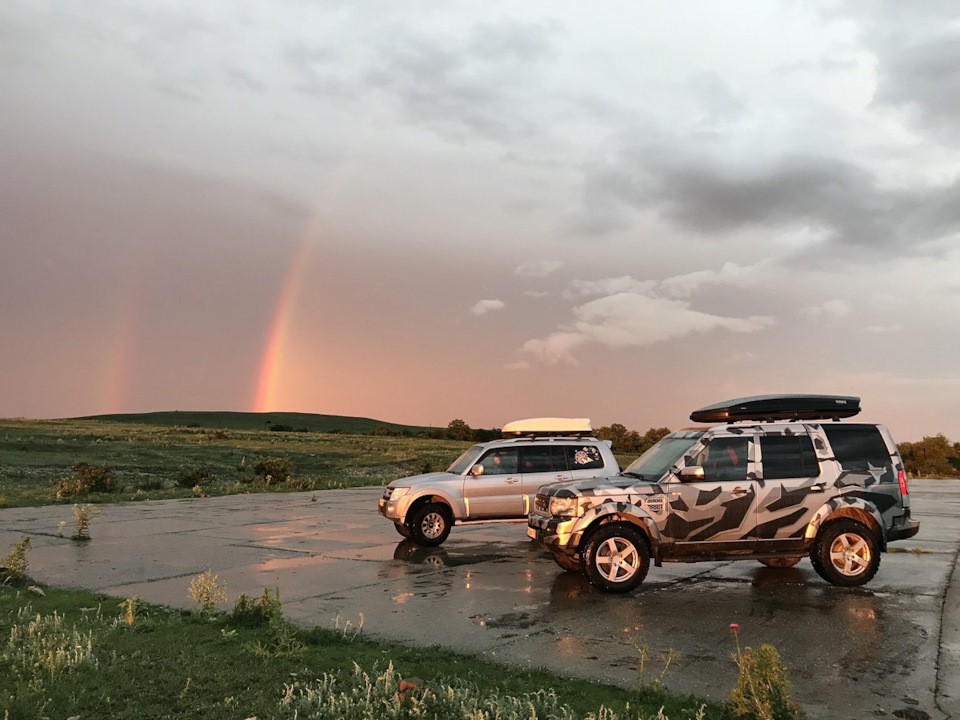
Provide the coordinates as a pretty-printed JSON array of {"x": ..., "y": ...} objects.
[
  {"x": 564, "y": 506},
  {"x": 397, "y": 493}
]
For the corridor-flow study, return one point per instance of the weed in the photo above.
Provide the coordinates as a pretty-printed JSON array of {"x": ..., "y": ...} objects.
[
  {"x": 206, "y": 591},
  {"x": 347, "y": 630},
  {"x": 129, "y": 607},
  {"x": 44, "y": 648},
  {"x": 763, "y": 688},
  {"x": 14, "y": 566},
  {"x": 83, "y": 516},
  {"x": 643, "y": 652}
]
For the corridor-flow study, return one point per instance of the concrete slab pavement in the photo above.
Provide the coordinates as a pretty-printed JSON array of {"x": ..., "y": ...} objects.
[{"x": 890, "y": 649}]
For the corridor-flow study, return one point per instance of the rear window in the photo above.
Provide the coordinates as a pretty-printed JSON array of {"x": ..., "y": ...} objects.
[
  {"x": 583, "y": 457},
  {"x": 856, "y": 447}
]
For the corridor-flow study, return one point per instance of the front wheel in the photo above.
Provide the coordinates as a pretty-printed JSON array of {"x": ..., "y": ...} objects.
[
  {"x": 846, "y": 553},
  {"x": 616, "y": 558},
  {"x": 430, "y": 524}
]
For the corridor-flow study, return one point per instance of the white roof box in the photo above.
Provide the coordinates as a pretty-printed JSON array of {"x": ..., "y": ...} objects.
[{"x": 548, "y": 426}]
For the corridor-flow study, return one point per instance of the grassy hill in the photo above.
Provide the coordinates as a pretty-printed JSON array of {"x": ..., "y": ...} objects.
[{"x": 258, "y": 421}]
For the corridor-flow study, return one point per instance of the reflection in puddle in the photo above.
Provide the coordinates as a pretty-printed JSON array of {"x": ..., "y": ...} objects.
[{"x": 401, "y": 598}]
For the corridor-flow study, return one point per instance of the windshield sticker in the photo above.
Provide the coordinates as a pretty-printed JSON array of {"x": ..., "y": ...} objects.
[{"x": 586, "y": 455}]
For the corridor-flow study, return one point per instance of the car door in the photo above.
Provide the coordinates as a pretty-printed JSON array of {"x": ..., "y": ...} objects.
[
  {"x": 497, "y": 491},
  {"x": 790, "y": 484},
  {"x": 541, "y": 464},
  {"x": 717, "y": 513}
]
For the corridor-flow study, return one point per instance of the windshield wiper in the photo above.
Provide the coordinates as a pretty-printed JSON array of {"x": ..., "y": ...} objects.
[{"x": 636, "y": 475}]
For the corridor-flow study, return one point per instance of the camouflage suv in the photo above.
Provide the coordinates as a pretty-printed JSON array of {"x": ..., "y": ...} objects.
[
  {"x": 496, "y": 481},
  {"x": 777, "y": 480}
]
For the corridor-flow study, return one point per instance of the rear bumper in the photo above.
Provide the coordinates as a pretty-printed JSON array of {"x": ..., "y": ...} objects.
[{"x": 907, "y": 530}]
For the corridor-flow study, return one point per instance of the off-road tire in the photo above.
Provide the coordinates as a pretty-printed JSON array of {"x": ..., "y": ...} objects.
[
  {"x": 430, "y": 524},
  {"x": 567, "y": 562},
  {"x": 846, "y": 553},
  {"x": 616, "y": 558},
  {"x": 780, "y": 562}
]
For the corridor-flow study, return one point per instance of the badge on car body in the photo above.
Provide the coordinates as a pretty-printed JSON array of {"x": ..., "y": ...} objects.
[{"x": 655, "y": 504}]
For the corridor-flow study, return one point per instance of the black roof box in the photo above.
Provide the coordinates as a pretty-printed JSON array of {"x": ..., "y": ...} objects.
[{"x": 779, "y": 407}]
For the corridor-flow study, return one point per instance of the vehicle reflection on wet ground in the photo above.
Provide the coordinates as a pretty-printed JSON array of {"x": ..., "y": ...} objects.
[{"x": 870, "y": 652}]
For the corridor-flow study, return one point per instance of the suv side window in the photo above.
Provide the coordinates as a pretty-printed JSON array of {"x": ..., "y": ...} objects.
[
  {"x": 857, "y": 446},
  {"x": 500, "y": 462},
  {"x": 583, "y": 457},
  {"x": 542, "y": 458},
  {"x": 724, "y": 458},
  {"x": 788, "y": 456}
]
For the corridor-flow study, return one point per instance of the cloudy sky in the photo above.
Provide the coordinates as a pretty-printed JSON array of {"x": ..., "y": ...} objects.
[{"x": 420, "y": 211}]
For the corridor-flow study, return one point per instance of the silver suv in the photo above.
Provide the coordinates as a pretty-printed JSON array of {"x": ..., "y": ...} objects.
[
  {"x": 498, "y": 480},
  {"x": 777, "y": 480}
]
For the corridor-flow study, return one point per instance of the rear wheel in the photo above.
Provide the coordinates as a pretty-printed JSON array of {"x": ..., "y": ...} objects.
[
  {"x": 846, "y": 553},
  {"x": 782, "y": 562},
  {"x": 430, "y": 524},
  {"x": 616, "y": 558}
]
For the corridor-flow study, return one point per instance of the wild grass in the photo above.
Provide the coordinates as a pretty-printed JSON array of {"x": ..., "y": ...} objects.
[
  {"x": 96, "y": 461},
  {"x": 90, "y": 656}
]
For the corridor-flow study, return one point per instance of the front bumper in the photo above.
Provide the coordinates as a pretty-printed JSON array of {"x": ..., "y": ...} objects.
[
  {"x": 555, "y": 533},
  {"x": 392, "y": 510}
]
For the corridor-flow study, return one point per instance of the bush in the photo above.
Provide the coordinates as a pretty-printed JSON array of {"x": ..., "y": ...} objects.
[
  {"x": 256, "y": 611},
  {"x": 763, "y": 688},
  {"x": 188, "y": 477},
  {"x": 273, "y": 470},
  {"x": 87, "y": 479},
  {"x": 13, "y": 568}
]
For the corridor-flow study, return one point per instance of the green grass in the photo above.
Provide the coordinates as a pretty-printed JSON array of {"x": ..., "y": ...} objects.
[
  {"x": 177, "y": 664},
  {"x": 145, "y": 460}
]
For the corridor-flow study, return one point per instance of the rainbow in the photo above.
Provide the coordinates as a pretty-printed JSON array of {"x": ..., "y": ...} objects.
[{"x": 268, "y": 378}]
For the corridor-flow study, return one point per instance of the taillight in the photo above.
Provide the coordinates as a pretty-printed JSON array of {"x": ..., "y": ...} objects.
[{"x": 902, "y": 479}]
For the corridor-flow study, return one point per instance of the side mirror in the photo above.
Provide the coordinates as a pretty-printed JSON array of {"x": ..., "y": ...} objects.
[
  {"x": 476, "y": 470},
  {"x": 693, "y": 473}
]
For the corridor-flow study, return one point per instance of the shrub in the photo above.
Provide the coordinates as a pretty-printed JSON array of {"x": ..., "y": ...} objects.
[
  {"x": 86, "y": 478},
  {"x": 256, "y": 611},
  {"x": 188, "y": 477},
  {"x": 273, "y": 470},
  {"x": 763, "y": 688}
]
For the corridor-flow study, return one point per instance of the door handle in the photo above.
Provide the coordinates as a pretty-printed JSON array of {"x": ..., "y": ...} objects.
[
  {"x": 738, "y": 491},
  {"x": 818, "y": 487},
  {"x": 560, "y": 477},
  {"x": 512, "y": 481}
]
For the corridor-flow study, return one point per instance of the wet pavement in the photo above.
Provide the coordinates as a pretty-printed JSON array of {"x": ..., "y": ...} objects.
[{"x": 888, "y": 650}]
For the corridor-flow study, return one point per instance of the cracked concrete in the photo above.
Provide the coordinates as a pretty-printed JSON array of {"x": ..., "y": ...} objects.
[{"x": 889, "y": 649}]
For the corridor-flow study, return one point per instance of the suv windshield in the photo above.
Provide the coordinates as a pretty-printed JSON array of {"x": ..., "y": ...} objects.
[
  {"x": 466, "y": 460},
  {"x": 661, "y": 457}
]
